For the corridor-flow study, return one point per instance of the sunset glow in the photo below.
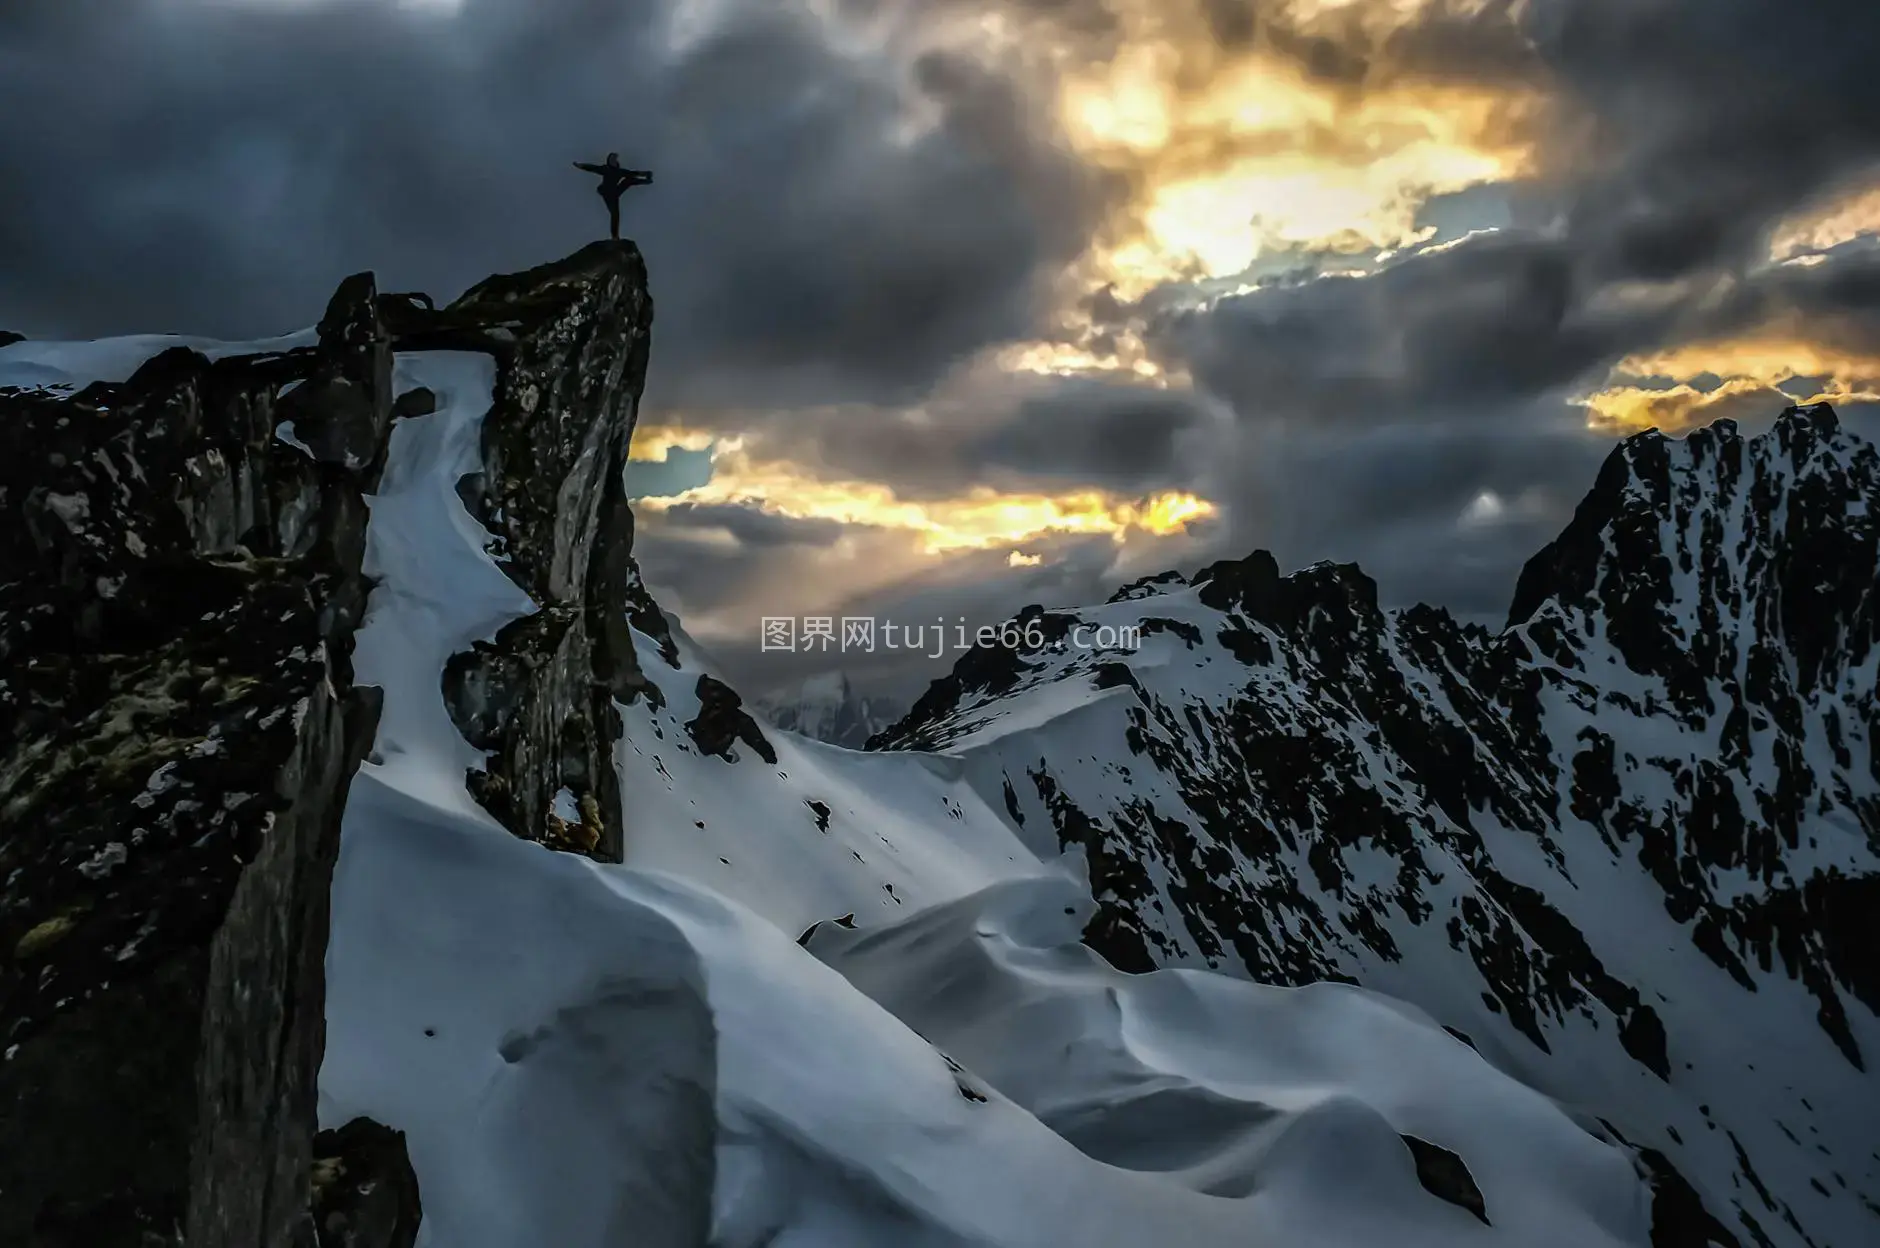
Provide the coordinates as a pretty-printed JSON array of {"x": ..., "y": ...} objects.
[
  {"x": 1841, "y": 220},
  {"x": 979, "y": 519},
  {"x": 1742, "y": 369},
  {"x": 1235, "y": 156}
]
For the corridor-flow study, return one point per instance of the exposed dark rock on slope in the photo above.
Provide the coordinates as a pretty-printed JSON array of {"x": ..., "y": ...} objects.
[
  {"x": 722, "y": 722},
  {"x": 1630, "y": 845},
  {"x": 179, "y": 587}
]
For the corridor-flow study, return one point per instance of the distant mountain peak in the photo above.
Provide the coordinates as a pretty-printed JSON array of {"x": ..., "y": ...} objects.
[
  {"x": 1696, "y": 550},
  {"x": 827, "y": 708}
]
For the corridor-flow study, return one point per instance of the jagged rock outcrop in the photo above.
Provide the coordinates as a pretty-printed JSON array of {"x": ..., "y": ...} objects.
[
  {"x": 178, "y": 727},
  {"x": 722, "y": 722},
  {"x": 1642, "y": 818},
  {"x": 571, "y": 343},
  {"x": 830, "y": 709},
  {"x": 180, "y": 580}
]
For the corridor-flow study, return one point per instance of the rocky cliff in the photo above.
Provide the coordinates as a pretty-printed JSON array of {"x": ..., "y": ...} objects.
[{"x": 183, "y": 563}]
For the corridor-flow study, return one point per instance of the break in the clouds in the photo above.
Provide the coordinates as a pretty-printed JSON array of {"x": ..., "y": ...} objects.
[{"x": 969, "y": 303}]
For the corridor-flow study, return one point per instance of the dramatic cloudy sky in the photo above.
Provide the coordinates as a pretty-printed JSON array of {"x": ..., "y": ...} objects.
[{"x": 964, "y": 304}]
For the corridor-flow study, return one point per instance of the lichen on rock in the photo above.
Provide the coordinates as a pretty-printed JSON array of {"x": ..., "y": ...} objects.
[{"x": 178, "y": 725}]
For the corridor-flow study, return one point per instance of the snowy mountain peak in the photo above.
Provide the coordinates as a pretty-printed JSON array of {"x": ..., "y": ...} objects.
[
  {"x": 1697, "y": 552},
  {"x": 828, "y": 708},
  {"x": 1651, "y": 804}
]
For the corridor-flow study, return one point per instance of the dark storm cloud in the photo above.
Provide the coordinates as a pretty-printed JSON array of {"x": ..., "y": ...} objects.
[
  {"x": 1374, "y": 411},
  {"x": 1416, "y": 420},
  {"x": 1028, "y": 433},
  {"x": 1490, "y": 320},
  {"x": 1117, "y": 437},
  {"x": 1710, "y": 118},
  {"x": 1679, "y": 133},
  {"x": 1437, "y": 512},
  {"x": 689, "y": 572},
  {"x": 214, "y": 168},
  {"x": 1835, "y": 303},
  {"x": 752, "y": 528}
]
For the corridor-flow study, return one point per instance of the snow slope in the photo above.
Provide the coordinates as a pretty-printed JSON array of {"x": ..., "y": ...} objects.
[
  {"x": 584, "y": 1054},
  {"x": 58, "y": 365}
]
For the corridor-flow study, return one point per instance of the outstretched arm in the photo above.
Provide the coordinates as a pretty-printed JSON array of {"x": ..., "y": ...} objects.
[{"x": 582, "y": 164}]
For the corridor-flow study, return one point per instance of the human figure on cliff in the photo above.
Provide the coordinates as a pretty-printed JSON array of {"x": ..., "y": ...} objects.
[{"x": 614, "y": 182}]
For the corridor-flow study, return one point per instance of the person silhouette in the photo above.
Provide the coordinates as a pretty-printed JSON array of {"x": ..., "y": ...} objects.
[{"x": 614, "y": 182}]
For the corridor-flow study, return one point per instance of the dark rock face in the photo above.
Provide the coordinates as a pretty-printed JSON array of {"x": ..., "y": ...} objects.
[
  {"x": 1444, "y": 1175},
  {"x": 722, "y": 722},
  {"x": 8, "y": 337},
  {"x": 365, "y": 1194},
  {"x": 178, "y": 728},
  {"x": 1679, "y": 1219},
  {"x": 571, "y": 342},
  {"x": 1678, "y": 732},
  {"x": 180, "y": 579}
]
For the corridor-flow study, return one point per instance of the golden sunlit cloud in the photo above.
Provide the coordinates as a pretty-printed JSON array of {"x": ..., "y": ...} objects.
[
  {"x": 1673, "y": 409},
  {"x": 1842, "y": 220},
  {"x": 979, "y": 519},
  {"x": 1064, "y": 359},
  {"x": 1018, "y": 559},
  {"x": 1771, "y": 360},
  {"x": 1743, "y": 369},
  {"x": 1224, "y": 156},
  {"x": 650, "y": 445},
  {"x": 1237, "y": 155}
]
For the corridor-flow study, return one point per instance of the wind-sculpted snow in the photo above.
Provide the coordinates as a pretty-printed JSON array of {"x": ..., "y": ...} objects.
[
  {"x": 1630, "y": 846},
  {"x": 1284, "y": 1098},
  {"x": 583, "y": 1053}
]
